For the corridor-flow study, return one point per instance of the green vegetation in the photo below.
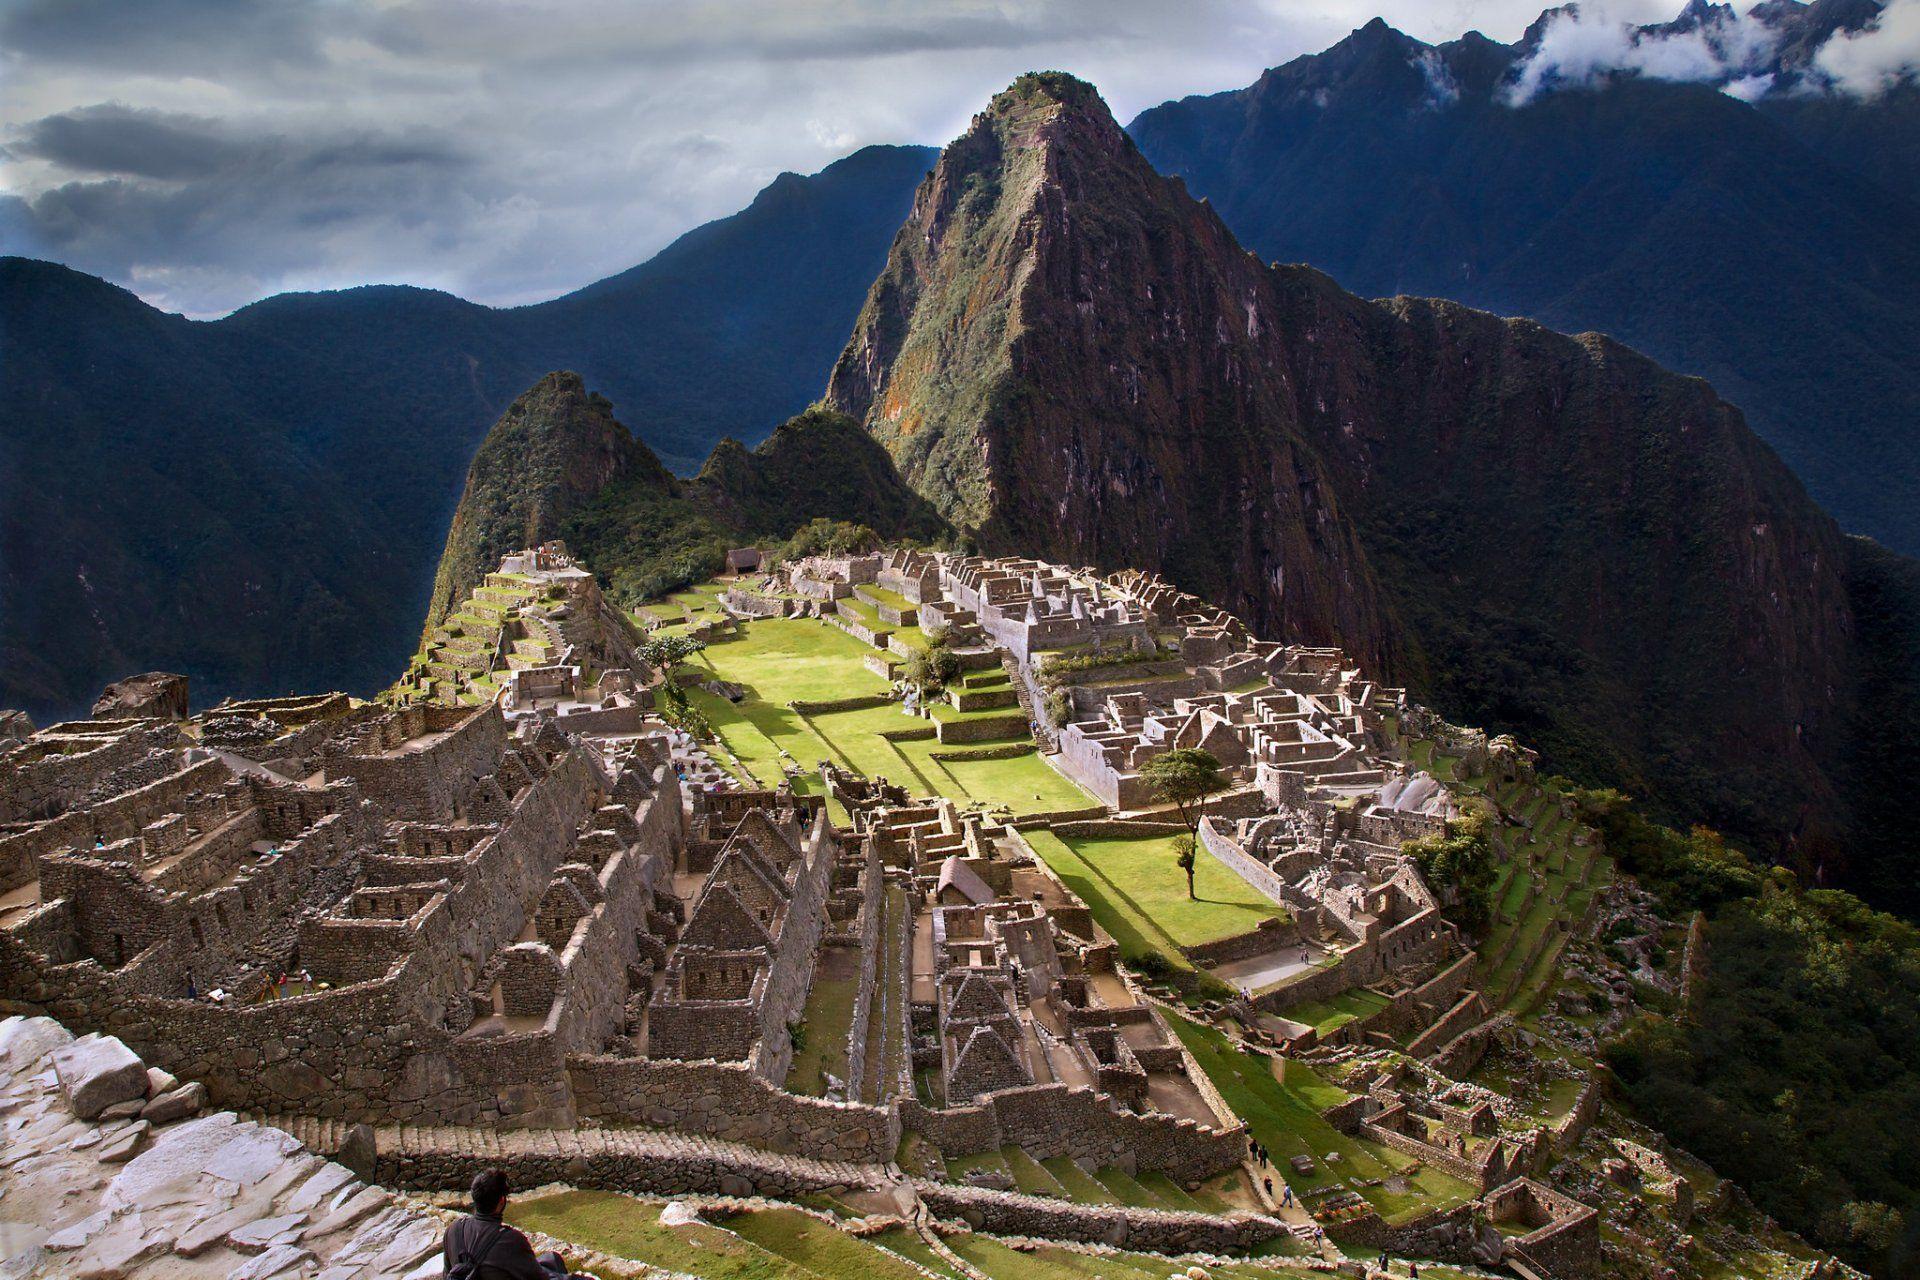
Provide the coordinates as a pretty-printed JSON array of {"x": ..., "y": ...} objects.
[
  {"x": 818, "y": 483},
  {"x": 785, "y": 660},
  {"x": 1134, "y": 887},
  {"x": 1797, "y": 1069},
  {"x": 1460, "y": 864},
  {"x": 630, "y": 1228},
  {"x": 1284, "y": 1116},
  {"x": 827, "y": 1020},
  {"x": 820, "y": 1247},
  {"x": 1329, "y": 1015},
  {"x": 1184, "y": 777}
]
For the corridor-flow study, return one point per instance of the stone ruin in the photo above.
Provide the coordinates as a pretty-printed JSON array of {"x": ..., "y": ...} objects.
[{"x": 514, "y": 900}]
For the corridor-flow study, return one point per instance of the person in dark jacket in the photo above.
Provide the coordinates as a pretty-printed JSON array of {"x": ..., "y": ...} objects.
[{"x": 496, "y": 1250}]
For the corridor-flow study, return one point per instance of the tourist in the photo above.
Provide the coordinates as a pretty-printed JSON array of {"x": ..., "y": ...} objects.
[
  {"x": 482, "y": 1247},
  {"x": 1269, "y": 1186},
  {"x": 1286, "y": 1200}
]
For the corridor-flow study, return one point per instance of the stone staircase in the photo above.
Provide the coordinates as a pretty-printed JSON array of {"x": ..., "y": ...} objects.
[{"x": 1049, "y": 737}]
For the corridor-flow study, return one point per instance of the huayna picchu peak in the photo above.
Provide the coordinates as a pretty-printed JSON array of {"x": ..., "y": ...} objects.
[
  {"x": 1069, "y": 355},
  {"x": 970, "y": 723}
]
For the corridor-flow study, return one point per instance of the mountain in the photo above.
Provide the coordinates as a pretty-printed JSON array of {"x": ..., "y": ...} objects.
[
  {"x": 1764, "y": 245},
  {"x": 553, "y": 452},
  {"x": 1062, "y": 356},
  {"x": 1067, "y": 354},
  {"x": 255, "y": 501},
  {"x": 559, "y": 465}
]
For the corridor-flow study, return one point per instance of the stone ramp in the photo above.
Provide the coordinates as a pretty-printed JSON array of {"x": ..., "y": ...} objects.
[{"x": 644, "y": 1161}]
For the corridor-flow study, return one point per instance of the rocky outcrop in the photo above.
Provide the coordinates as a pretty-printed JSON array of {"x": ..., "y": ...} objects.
[
  {"x": 155, "y": 695},
  {"x": 172, "y": 1192},
  {"x": 97, "y": 1072}
]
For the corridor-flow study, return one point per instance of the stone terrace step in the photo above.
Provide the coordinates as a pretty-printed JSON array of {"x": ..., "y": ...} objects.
[{"x": 648, "y": 1159}]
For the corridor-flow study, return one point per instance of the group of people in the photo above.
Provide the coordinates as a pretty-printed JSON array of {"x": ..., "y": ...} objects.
[{"x": 1261, "y": 1154}]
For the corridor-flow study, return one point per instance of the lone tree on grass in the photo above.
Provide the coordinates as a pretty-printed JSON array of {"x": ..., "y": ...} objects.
[{"x": 1185, "y": 777}]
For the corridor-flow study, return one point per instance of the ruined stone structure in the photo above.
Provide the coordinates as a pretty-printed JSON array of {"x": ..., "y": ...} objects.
[{"x": 511, "y": 900}]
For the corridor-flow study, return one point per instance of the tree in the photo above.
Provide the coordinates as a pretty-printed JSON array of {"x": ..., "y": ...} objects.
[
  {"x": 1183, "y": 855},
  {"x": 1460, "y": 863},
  {"x": 669, "y": 651},
  {"x": 1184, "y": 777}
]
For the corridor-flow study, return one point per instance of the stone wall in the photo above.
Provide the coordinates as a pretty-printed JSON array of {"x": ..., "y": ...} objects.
[
  {"x": 428, "y": 783},
  {"x": 727, "y": 1100},
  {"x": 122, "y": 817},
  {"x": 377, "y": 1050},
  {"x": 1049, "y": 1120},
  {"x": 687, "y": 1170},
  {"x": 1143, "y": 1230}
]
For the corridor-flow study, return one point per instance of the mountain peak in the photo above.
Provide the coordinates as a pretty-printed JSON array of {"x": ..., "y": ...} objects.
[
  {"x": 1033, "y": 358},
  {"x": 553, "y": 451}
]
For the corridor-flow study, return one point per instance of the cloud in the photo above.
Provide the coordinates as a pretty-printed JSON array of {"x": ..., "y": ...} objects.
[
  {"x": 1871, "y": 61},
  {"x": 1579, "y": 46},
  {"x": 206, "y": 152},
  {"x": 1442, "y": 89},
  {"x": 109, "y": 138}
]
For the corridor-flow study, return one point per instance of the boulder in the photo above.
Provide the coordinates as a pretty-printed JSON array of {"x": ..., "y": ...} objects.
[
  {"x": 175, "y": 1104},
  {"x": 158, "y": 695},
  {"x": 357, "y": 1152},
  {"x": 25, "y": 1041},
  {"x": 97, "y": 1071},
  {"x": 126, "y": 1144}
]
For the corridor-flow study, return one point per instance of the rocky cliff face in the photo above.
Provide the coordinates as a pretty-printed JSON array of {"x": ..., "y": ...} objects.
[
  {"x": 553, "y": 451},
  {"x": 1688, "y": 223},
  {"x": 1070, "y": 356}
]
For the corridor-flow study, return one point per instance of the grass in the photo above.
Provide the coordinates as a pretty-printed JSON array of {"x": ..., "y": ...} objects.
[
  {"x": 1139, "y": 894},
  {"x": 782, "y": 660},
  {"x": 1328, "y": 1016},
  {"x": 818, "y": 1246},
  {"x": 1285, "y": 1118},
  {"x": 630, "y": 1228},
  {"x": 828, "y": 1018}
]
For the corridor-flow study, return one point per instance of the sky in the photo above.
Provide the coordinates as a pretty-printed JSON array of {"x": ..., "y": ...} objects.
[{"x": 206, "y": 153}]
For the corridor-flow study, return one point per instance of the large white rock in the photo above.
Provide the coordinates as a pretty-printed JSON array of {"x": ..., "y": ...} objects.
[
  {"x": 24, "y": 1042},
  {"x": 97, "y": 1071}
]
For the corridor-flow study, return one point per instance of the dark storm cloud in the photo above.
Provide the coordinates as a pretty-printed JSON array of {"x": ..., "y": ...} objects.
[
  {"x": 182, "y": 37},
  {"x": 110, "y": 138},
  {"x": 200, "y": 200}
]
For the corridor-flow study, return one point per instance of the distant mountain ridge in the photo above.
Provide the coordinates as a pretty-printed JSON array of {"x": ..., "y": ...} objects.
[
  {"x": 1766, "y": 246},
  {"x": 290, "y": 470}
]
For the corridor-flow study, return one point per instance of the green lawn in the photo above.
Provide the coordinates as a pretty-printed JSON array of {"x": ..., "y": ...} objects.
[
  {"x": 818, "y": 1246},
  {"x": 630, "y": 1228},
  {"x": 782, "y": 660},
  {"x": 1329, "y": 1015},
  {"x": 1139, "y": 894},
  {"x": 828, "y": 1018},
  {"x": 1285, "y": 1118}
]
